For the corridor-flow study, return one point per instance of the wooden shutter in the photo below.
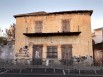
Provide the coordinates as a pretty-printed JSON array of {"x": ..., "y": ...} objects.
[
  {"x": 52, "y": 52},
  {"x": 38, "y": 26},
  {"x": 65, "y": 25},
  {"x": 66, "y": 51}
]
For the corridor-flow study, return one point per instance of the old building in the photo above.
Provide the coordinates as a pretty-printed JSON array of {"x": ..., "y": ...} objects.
[
  {"x": 98, "y": 54},
  {"x": 98, "y": 46},
  {"x": 56, "y": 35},
  {"x": 98, "y": 35}
]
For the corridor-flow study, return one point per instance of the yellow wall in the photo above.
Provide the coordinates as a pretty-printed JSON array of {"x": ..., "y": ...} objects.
[{"x": 82, "y": 44}]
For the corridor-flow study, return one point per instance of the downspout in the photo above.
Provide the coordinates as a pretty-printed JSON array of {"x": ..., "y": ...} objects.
[{"x": 102, "y": 34}]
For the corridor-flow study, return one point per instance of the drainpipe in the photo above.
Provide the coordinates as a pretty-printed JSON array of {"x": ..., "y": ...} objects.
[{"x": 102, "y": 34}]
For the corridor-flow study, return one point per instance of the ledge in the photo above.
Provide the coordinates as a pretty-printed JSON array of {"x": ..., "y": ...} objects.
[{"x": 52, "y": 34}]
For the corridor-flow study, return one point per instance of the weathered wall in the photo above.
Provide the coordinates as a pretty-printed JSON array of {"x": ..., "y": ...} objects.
[
  {"x": 82, "y": 44},
  {"x": 98, "y": 36},
  {"x": 98, "y": 55}
]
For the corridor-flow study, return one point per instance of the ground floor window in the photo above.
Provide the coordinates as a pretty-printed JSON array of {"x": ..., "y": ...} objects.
[{"x": 51, "y": 51}]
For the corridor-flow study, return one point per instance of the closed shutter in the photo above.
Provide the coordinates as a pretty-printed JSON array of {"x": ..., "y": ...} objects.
[
  {"x": 52, "y": 52},
  {"x": 38, "y": 26},
  {"x": 66, "y": 51},
  {"x": 66, "y": 54},
  {"x": 65, "y": 25}
]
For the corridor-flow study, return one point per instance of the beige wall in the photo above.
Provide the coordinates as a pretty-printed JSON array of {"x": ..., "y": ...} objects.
[
  {"x": 82, "y": 44},
  {"x": 98, "y": 36}
]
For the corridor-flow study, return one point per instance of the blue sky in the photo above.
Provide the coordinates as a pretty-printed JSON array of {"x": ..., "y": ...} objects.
[{"x": 12, "y": 7}]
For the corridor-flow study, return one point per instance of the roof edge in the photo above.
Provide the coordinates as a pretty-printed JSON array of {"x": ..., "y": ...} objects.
[{"x": 49, "y": 13}]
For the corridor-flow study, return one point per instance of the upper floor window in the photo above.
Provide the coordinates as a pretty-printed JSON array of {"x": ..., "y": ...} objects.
[
  {"x": 65, "y": 25},
  {"x": 38, "y": 26}
]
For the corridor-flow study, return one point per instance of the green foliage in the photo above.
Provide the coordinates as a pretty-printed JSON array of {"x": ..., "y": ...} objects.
[{"x": 3, "y": 40}]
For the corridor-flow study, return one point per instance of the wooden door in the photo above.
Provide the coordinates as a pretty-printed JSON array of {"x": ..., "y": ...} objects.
[
  {"x": 66, "y": 54},
  {"x": 37, "y": 54}
]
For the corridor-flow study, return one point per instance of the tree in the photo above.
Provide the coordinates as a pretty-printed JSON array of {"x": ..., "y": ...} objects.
[{"x": 11, "y": 33}]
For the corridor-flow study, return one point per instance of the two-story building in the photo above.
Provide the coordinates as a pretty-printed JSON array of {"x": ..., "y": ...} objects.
[{"x": 55, "y": 35}]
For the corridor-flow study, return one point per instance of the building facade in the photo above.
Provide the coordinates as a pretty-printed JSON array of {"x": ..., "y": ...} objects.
[
  {"x": 98, "y": 54},
  {"x": 98, "y": 46},
  {"x": 57, "y": 35},
  {"x": 98, "y": 35}
]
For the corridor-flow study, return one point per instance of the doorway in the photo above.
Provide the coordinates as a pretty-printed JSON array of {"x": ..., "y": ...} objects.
[
  {"x": 66, "y": 54},
  {"x": 37, "y": 54}
]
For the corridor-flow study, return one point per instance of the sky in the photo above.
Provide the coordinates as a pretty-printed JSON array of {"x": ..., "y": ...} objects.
[{"x": 8, "y": 8}]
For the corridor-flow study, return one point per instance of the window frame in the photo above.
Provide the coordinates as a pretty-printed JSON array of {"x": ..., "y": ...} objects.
[
  {"x": 38, "y": 26},
  {"x": 52, "y": 53},
  {"x": 65, "y": 25}
]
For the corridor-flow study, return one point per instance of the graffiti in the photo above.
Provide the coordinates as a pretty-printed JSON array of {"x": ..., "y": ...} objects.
[
  {"x": 21, "y": 55},
  {"x": 83, "y": 60},
  {"x": 25, "y": 49},
  {"x": 37, "y": 54},
  {"x": 22, "y": 61},
  {"x": 23, "y": 52}
]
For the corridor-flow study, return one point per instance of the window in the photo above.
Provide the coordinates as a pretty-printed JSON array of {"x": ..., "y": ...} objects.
[
  {"x": 38, "y": 26},
  {"x": 65, "y": 25},
  {"x": 52, "y": 52}
]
